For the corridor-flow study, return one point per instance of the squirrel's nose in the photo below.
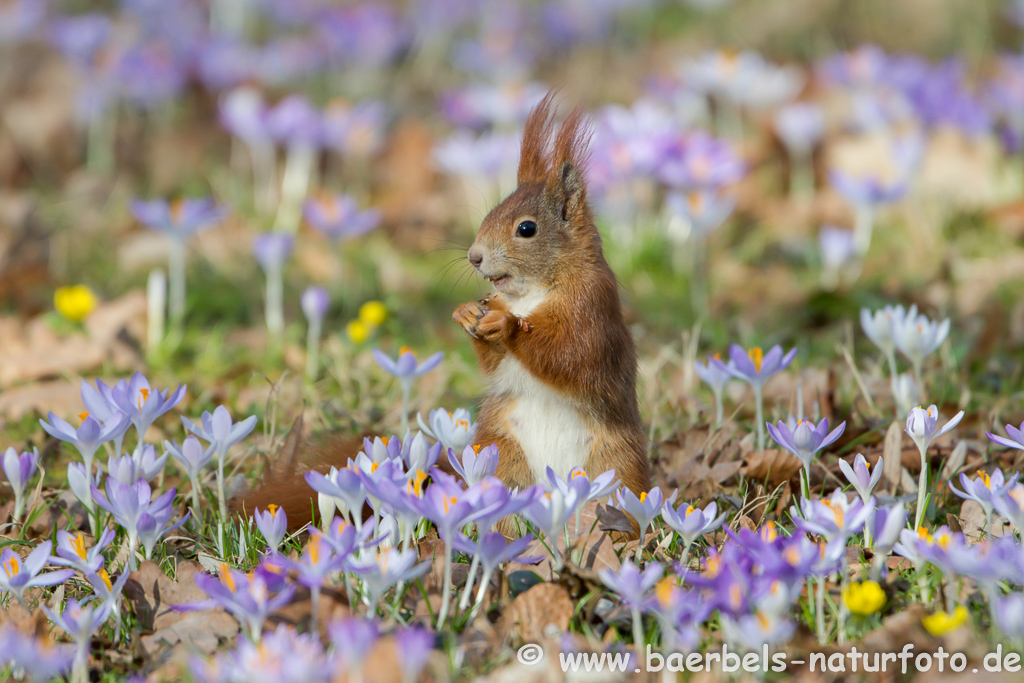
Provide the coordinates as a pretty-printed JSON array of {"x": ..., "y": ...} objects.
[{"x": 476, "y": 256}]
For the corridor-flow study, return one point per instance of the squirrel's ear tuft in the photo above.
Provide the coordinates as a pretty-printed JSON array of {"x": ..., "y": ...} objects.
[
  {"x": 567, "y": 182},
  {"x": 534, "y": 160}
]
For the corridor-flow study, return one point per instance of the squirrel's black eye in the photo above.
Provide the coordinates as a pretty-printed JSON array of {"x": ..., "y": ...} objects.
[{"x": 526, "y": 229}]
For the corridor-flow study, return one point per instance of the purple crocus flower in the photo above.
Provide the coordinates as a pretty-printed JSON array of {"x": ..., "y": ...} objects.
[
  {"x": 353, "y": 638},
  {"x": 80, "y": 622},
  {"x": 643, "y": 508},
  {"x": 127, "y": 469},
  {"x": 131, "y": 506},
  {"x": 415, "y": 644},
  {"x": 800, "y": 127},
  {"x": 89, "y": 436},
  {"x": 1015, "y": 440},
  {"x": 1009, "y": 611},
  {"x": 356, "y": 130},
  {"x": 917, "y": 337},
  {"x": 476, "y": 463},
  {"x": 887, "y": 527},
  {"x": 806, "y": 439},
  {"x": 716, "y": 378},
  {"x": 634, "y": 587},
  {"x": 20, "y": 19},
  {"x": 180, "y": 218},
  {"x": 41, "y": 659},
  {"x": 985, "y": 490},
  {"x": 222, "y": 433},
  {"x": 692, "y": 523},
  {"x": 492, "y": 550},
  {"x": 492, "y": 106},
  {"x": 314, "y": 302},
  {"x": 549, "y": 512},
  {"x": 838, "y": 248},
  {"x": 752, "y": 632},
  {"x": 406, "y": 368},
  {"x": 142, "y": 404},
  {"x": 192, "y": 458},
  {"x": 246, "y": 596},
  {"x": 866, "y": 190},
  {"x": 81, "y": 484},
  {"x": 455, "y": 430},
  {"x": 380, "y": 571},
  {"x": 17, "y": 574},
  {"x": 155, "y": 523},
  {"x": 1011, "y": 506},
  {"x": 923, "y": 427},
  {"x": 19, "y": 468},
  {"x": 282, "y": 655},
  {"x": 696, "y": 214},
  {"x": 294, "y": 121},
  {"x": 698, "y": 160},
  {"x": 580, "y": 485},
  {"x": 272, "y": 249},
  {"x": 860, "y": 475},
  {"x": 755, "y": 366},
  {"x": 833, "y": 517},
  {"x": 342, "y": 488},
  {"x": 489, "y": 156},
  {"x": 273, "y": 524},
  {"x": 71, "y": 551},
  {"x": 339, "y": 217}
]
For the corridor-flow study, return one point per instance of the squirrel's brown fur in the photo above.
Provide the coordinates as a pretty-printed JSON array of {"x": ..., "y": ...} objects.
[
  {"x": 573, "y": 342},
  {"x": 551, "y": 339}
]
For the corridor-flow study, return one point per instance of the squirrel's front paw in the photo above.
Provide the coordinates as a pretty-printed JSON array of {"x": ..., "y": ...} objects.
[
  {"x": 497, "y": 326},
  {"x": 469, "y": 315}
]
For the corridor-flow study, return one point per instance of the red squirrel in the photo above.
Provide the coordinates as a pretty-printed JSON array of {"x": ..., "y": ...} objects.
[{"x": 551, "y": 339}]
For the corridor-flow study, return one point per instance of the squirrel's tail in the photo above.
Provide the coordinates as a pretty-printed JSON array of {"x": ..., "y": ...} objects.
[{"x": 284, "y": 482}]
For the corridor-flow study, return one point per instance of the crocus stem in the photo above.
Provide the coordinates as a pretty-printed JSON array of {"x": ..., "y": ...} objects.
[
  {"x": 759, "y": 407},
  {"x": 719, "y": 411},
  {"x": 638, "y": 630},
  {"x": 19, "y": 504},
  {"x": 922, "y": 485},
  {"x": 80, "y": 667},
  {"x": 801, "y": 176},
  {"x": 988, "y": 522},
  {"x": 221, "y": 501},
  {"x": 406, "y": 390},
  {"x": 819, "y": 609},
  {"x": 640, "y": 546},
  {"x": 313, "y": 349},
  {"x": 863, "y": 226},
  {"x": 176, "y": 275},
  {"x": 133, "y": 544},
  {"x": 877, "y": 563},
  {"x": 467, "y": 591},
  {"x": 314, "y": 608},
  {"x": 447, "y": 589},
  {"x": 275, "y": 302},
  {"x": 843, "y": 610},
  {"x": 195, "y": 498},
  {"x": 805, "y": 481},
  {"x": 263, "y": 172},
  {"x": 298, "y": 169},
  {"x": 867, "y": 527},
  {"x": 684, "y": 559},
  {"x": 156, "y": 308}
]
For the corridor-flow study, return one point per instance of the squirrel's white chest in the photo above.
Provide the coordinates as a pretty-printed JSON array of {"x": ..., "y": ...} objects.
[{"x": 548, "y": 427}]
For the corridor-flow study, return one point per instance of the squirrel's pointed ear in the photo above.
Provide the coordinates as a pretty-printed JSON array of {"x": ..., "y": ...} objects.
[
  {"x": 566, "y": 183},
  {"x": 570, "y": 191}
]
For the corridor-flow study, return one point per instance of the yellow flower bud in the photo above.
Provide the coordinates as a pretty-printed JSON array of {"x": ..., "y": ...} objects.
[
  {"x": 357, "y": 331},
  {"x": 864, "y": 598},
  {"x": 74, "y": 302},
  {"x": 373, "y": 313},
  {"x": 941, "y": 623}
]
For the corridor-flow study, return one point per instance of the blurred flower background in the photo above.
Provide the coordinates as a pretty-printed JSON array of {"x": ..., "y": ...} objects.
[{"x": 270, "y": 202}]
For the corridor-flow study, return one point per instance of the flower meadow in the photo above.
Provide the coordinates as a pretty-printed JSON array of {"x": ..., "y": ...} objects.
[{"x": 231, "y": 227}]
